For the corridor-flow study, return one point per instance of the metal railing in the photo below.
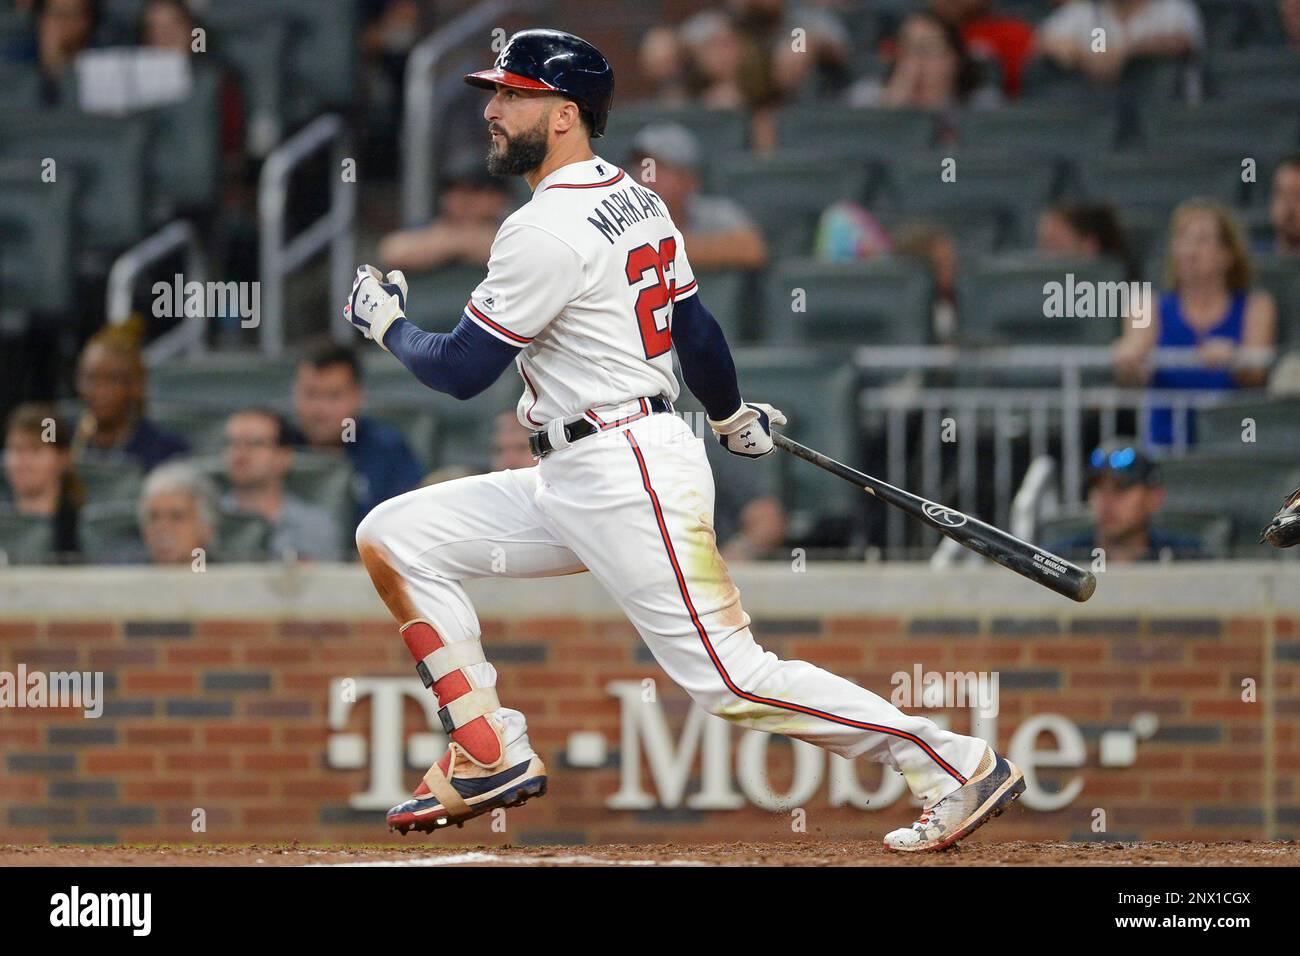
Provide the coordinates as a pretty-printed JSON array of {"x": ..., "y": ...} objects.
[
  {"x": 419, "y": 128},
  {"x": 188, "y": 336},
  {"x": 1037, "y": 419},
  {"x": 279, "y": 258}
]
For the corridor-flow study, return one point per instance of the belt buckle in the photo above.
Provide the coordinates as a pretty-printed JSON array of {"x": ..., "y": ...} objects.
[{"x": 535, "y": 445}]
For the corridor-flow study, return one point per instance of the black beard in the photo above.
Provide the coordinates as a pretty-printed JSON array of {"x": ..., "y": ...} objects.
[{"x": 522, "y": 154}]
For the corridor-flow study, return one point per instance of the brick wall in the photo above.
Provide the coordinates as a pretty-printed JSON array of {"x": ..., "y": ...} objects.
[{"x": 229, "y": 711}]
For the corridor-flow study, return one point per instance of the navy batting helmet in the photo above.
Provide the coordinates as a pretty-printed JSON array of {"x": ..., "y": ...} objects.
[{"x": 556, "y": 61}]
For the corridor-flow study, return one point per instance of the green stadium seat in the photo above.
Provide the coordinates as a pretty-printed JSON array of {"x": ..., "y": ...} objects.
[
  {"x": 106, "y": 479},
  {"x": 242, "y": 538},
  {"x": 437, "y": 299},
  {"x": 785, "y": 193},
  {"x": 879, "y": 302},
  {"x": 728, "y": 296},
  {"x": 817, "y": 390},
  {"x": 855, "y": 132},
  {"x": 1220, "y": 430},
  {"x": 324, "y": 53},
  {"x": 1159, "y": 180},
  {"x": 223, "y": 382},
  {"x": 21, "y": 83},
  {"x": 1232, "y": 24},
  {"x": 985, "y": 184},
  {"x": 185, "y": 149},
  {"x": 1244, "y": 488},
  {"x": 25, "y": 539},
  {"x": 1281, "y": 277},
  {"x": 1256, "y": 75},
  {"x": 202, "y": 428},
  {"x": 108, "y": 156},
  {"x": 465, "y": 428},
  {"x": 719, "y": 132},
  {"x": 325, "y": 480},
  {"x": 1212, "y": 531},
  {"x": 255, "y": 47},
  {"x": 1234, "y": 129},
  {"x": 36, "y": 238},
  {"x": 110, "y": 533},
  {"x": 1003, "y": 301},
  {"x": 1047, "y": 130}
]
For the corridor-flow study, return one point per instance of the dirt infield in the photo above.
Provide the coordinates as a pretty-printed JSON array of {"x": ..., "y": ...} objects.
[{"x": 862, "y": 853}]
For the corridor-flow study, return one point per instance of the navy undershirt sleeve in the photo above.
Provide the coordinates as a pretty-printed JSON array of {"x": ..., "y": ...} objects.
[
  {"x": 705, "y": 358},
  {"x": 461, "y": 363}
]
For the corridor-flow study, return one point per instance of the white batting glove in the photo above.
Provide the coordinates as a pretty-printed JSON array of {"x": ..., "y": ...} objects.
[
  {"x": 748, "y": 432},
  {"x": 377, "y": 301}
]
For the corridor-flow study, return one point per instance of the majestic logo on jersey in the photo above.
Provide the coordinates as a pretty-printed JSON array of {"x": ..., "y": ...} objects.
[{"x": 941, "y": 514}]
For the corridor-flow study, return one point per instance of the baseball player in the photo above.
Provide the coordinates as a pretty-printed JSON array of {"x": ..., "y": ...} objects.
[{"x": 588, "y": 291}]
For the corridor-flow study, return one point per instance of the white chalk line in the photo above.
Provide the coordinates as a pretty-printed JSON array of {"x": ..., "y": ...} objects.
[{"x": 477, "y": 857}]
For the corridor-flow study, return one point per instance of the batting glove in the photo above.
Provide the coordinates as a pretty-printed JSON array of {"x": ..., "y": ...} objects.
[
  {"x": 748, "y": 432},
  {"x": 377, "y": 301}
]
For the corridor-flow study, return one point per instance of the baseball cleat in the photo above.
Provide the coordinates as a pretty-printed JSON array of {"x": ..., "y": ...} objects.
[
  {"x": 994, "y": 787},
  {"x": 473, "y": 792}
]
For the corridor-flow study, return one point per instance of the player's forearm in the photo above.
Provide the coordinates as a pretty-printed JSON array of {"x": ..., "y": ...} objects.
[
  {"x": 705, "y": 358},
  {"x": 462, "y": 363}
]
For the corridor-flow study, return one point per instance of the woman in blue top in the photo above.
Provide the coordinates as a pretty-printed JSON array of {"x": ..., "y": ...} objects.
[{"x": 1210, "y": 308}]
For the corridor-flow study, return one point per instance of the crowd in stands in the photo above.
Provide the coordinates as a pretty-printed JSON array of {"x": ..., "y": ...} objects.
[{"x": 951, "y": 60}]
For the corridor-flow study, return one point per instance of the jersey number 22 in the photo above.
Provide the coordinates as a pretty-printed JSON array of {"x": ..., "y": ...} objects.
[{"x": 655, "y": 296}]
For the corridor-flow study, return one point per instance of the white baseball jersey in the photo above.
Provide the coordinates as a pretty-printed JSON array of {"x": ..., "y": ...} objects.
[{"x": 582, "y": 279}]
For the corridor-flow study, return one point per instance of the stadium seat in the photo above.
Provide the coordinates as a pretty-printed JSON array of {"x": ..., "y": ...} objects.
[
  {"x": 1246, "y": 489},
  {"x": 1256, "y": 76},
  {"x": 1220, "y": 129},
  {"x": 324, "y": 54},
  {"x": 21, "y": 83},
  {"x": 108, "y": 156},
  {"x": 1212, "y": 532},
  {"x": 845, "y": 133},
  {"x": 817, "y": 390},
  {"x": 1057, "y": 131},
  {"x": 1003, "y": 301},
  {"x": 1159, "y": 180},
  {"x": 1281, "y": 276},
  {"x": 438, "y": 298},
  {"x": 465, "y": 428},
  {"x": 786, "y": 192},
  {"x": 1276, "y": 428},
  {"x": 255, "y": 47},
  {"x": 728, "y": 296},
  {"x": 36, "y": 238},
  {"x": 719, "y": 132},
  {"x": 203, "y": 428},
  {"x": 25, "y": 539},
  {"x": 223, "y": 382},
  {"x": 985, "y": 184},
  {"x": 326, "y": 481},
  {"x": 110, "y": 533},
  {"x": 1233, "y": 24},
  {"x": 110, "y": 479},
  {"x": 242, "y": 538},
  {"x": 880, "y": 302},
  {"x": 185, "y": 149}
]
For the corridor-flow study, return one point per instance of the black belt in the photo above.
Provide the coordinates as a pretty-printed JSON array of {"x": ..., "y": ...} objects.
[{"x": 539, "y": 443}]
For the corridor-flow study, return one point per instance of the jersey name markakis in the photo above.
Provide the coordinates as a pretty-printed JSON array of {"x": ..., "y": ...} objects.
[{"x": 628, "y": 205}]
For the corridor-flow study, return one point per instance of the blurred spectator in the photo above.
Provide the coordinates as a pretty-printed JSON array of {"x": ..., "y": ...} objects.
[
  {"x": 111, "y": 383},
  {"x": 63, "y": 29},
  {"x": 1125, "y": 493},
  {"x": 177, "y": 513},
  {"x": 328, "y": 398},
  {"x": 1284, "y": 208},
  {"x": 1133, "y": 29},
  {"x": 38, "y": 471},
  {"x": 718, "y": 232},
  {"x": 713, "y": 52},
  {"x": 1209, "y": 306},
  {"x": 932, "y": 70},
  {"x": 1085, "y": 230},
  {"x": 473, "y": 205},
  {"x": 664, "y": 65},
  {"x": 989, "y": 35},
  {"x": 258, "y": 457},
  {"x": 510, "y": 443},
  {"x": 934, "y": 247}
]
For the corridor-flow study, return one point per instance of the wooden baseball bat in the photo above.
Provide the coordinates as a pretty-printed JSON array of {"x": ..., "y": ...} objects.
[{"x": 1040, "y": 566}]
